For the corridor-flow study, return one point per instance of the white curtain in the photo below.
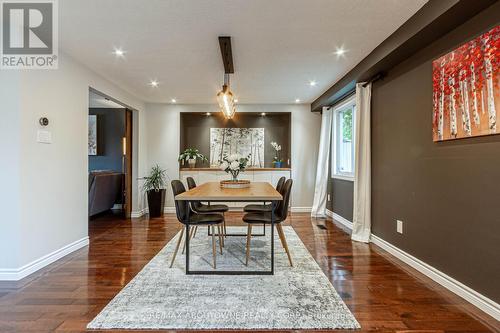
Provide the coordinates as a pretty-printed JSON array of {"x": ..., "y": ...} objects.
[
  {"x": 361, "y": 228},
  {"x": 320, "y": 189}
]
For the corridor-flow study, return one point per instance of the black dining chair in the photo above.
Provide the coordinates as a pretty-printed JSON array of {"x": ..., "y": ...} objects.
[
  {"x": 183, "y": 210},
  {"x": 259, "y": 208},
  {"x": 280, "y": 215},
  {"x": 201, "y": 208}
]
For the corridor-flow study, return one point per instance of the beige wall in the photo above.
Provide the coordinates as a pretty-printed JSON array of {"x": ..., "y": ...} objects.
[{"x": 49, "y": 210}]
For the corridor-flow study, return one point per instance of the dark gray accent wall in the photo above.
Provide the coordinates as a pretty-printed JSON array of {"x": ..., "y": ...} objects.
[
  {"x": 446, "y": 193},
  {"x": 341, "y": 194},
  {"x": 195, "y": 131},
  {"x": 110, "y": 131}
]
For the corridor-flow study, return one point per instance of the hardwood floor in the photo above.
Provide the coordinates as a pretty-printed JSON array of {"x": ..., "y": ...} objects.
[{"x": 384, "y": 294}]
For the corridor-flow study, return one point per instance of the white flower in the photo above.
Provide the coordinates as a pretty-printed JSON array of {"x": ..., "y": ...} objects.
[
  {"x": 234, "y": 157},
  {"x": 224, "y": 165},
  {"x": 235, "y": 165},
  {"x": 278, "y": 148}
]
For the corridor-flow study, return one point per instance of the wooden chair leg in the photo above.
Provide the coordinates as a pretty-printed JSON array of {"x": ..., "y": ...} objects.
[
  {"x": 177, "y": 246},
  {"x": 249, "y": 235},
  {"x": 190, "y": 237},
  {"x": 214, "y": 251},
  {"x": 194, "y": 232},
  {"x": 221, "y": 236},
  {"x": 281, "y": 233}
]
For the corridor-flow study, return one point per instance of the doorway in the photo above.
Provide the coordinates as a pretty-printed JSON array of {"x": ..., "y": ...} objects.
[{"x": 110, "y": 152}]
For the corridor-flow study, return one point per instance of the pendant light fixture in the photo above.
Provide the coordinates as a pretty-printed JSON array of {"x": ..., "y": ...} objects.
[{"x": 225, "y": 97}]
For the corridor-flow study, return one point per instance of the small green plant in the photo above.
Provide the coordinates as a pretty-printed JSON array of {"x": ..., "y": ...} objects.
[
  {"x": 156, "y": 179},
  {"x": 191, "y": 153}
]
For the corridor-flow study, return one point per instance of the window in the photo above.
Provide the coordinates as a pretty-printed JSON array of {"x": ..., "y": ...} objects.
[{"x": 343, "y": 140}]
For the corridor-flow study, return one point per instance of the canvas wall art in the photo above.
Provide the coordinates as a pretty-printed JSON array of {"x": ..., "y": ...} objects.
[
  {"x": 92, "y": 135},
  {"x": 244, "y": 141},
  {"x": 466, "y": 89}
]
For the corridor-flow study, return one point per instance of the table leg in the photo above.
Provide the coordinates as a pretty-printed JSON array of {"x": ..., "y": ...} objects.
[{"x": 187, "y": 237}]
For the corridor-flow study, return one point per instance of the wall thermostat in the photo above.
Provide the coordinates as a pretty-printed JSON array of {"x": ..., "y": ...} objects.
[{"x": 44, "y": 121}]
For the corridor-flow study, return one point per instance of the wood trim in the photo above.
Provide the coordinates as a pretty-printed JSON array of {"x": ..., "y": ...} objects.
[
  {"x": 127, "y": 209},
  {"x": 227, "y": 54},
  {"x": 212, "y": 191}
]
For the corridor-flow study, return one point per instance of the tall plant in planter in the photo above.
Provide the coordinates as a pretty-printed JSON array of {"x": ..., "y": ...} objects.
[
  {"x": 154, "y": 186},
  {"x": 190, "y": 155}
]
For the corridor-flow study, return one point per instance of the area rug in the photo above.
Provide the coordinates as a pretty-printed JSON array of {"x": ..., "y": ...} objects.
[{"x": 159, "y": 297}]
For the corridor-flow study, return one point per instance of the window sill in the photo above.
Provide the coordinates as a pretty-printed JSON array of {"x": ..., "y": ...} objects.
[{"x": 348, "y": 178}]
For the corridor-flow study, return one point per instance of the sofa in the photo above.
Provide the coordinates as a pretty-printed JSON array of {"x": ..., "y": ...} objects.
[{"x": 105, "y": 189}]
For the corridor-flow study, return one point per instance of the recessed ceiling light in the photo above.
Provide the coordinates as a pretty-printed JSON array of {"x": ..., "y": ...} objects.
[
  {"x": 119, "y": 52},
  {"x": 154, "y": 83},
  {"x": 340, "y": 51},
  {"x": 208, "y": 113},
  {"x": 297, "y": 100},
  {"x": 173, "y": 100},
  {"x": 263, "y": 114},
  {"x": 236, "y": 100},
  {"x": 312, "y": 83}
]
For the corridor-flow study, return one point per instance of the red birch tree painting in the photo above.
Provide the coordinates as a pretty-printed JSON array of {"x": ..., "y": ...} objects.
[{"x": 466, "y": 89}]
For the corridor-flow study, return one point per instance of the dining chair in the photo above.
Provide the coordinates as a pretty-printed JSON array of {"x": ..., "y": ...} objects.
[
  {"x": 280, "y": 215},
  {"x": 201, "y": 208},
  {"x": 259, "y": 208},
  {"x": 183, "y": 210}
]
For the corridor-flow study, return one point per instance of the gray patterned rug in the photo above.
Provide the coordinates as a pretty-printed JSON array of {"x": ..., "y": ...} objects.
[{"x": 159, "y": 297}]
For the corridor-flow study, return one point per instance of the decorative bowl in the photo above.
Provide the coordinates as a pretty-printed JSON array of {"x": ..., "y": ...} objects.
[{"x": 234, "y": 183}]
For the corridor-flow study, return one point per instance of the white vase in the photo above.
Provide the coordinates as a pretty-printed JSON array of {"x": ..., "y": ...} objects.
[{"x": 192, "y": 162}]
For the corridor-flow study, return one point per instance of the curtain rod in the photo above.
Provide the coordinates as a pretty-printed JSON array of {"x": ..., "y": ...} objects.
[{"x": 376, "y": 77}]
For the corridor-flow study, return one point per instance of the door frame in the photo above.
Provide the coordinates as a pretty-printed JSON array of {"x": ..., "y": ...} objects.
[{"x": 128, "y": 159}]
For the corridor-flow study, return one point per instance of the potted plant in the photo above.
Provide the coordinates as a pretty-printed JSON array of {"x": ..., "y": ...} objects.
[
  {"x": 190, "y": 155},
  {"x": 277, "y": 161},
  {"x": 234, "y": 164},
  {"x": 154, "y": 186}
]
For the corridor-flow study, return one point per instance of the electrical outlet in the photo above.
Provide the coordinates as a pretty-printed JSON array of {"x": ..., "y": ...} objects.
[
  {"x": 328, "y": 197},
  {"x": 399, "y": 226}
]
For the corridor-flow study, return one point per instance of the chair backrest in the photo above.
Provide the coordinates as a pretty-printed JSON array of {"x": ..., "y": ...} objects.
[
  {"x": 191, "y": 183},
  {"x": 282, "y": 209},
  {"x": 279, "y": 186},
  {"x": 181, "y": 207}
]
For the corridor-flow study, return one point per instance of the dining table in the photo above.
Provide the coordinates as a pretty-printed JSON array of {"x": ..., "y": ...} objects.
[{"x": 213, "y": 192}]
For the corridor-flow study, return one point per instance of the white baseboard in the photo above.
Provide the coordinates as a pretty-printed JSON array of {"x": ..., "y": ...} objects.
[
  {"x": 300, "y": 209},
  {"x": 480, "y": 301},
  {"x": 138, "y": 213},
  {"x": 15, "y": 274},
  {"x": 345, "y": 222}
]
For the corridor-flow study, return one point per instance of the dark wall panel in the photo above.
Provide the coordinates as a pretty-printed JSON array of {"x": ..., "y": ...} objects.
[
  {"x": 195, "y": 131},
  {"x": 341, "y": 197},
  {"x": 446, "y": 193},
  {"x": 110, "y": 131}
]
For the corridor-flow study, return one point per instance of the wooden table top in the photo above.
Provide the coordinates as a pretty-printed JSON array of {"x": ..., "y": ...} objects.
[{"x": 211, "y": 191}]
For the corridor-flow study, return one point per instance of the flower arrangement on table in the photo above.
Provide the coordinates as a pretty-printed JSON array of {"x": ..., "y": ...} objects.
[
  {"x": 234, "y": 164},
  {"x": 277, "y": 161}
]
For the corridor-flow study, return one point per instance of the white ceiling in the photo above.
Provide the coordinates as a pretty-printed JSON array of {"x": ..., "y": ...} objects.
[{"x": 278, "y": 45}]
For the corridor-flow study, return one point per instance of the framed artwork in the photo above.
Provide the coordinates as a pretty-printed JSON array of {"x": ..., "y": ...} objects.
[
  {"x": 243, "y": 141},
  {"x": 92, "y": 135},
  {"x": 466, "y": 95}
]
